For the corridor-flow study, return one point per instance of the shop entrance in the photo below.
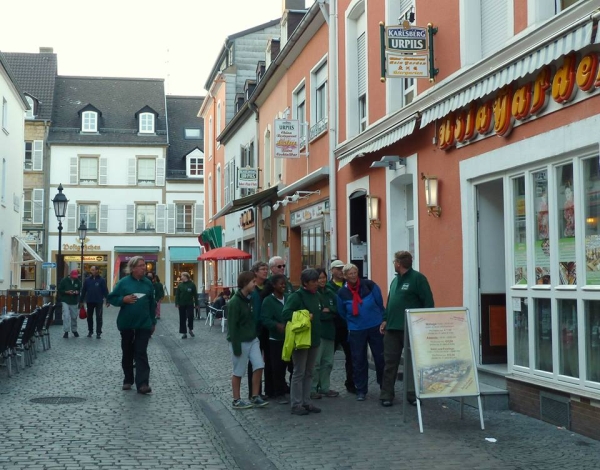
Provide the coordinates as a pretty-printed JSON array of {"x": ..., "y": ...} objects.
[
  {"x": 358, "y": 232},
  {"x": 491, "y": 269},
  {"x": 178, "y": 268}
]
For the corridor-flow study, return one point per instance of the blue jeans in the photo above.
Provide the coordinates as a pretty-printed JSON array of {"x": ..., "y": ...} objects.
[{"x": 358, "y": 340}]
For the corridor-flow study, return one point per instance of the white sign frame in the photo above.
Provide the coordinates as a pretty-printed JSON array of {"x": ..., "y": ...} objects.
[
  {"x": 247, "y": 182},
  {"x": 286, "y": 142},
  {"x": 396, "y": 66}
]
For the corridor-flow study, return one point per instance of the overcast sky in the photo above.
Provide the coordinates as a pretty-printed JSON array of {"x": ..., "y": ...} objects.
[{"x": 173, "y": 39}]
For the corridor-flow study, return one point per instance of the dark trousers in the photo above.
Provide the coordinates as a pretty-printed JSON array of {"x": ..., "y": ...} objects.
[
  {"x": 91, "y": 308},
  {"x": 341, "y": 338},
  {"x": 358, "y": 344},
  {"x": 134, "y": 344},
  {"x": 263, "y": 337},
  {"x": 278, "y": 368},
  {"x": 186, "y": 313},
  {"x": 393, "y": 344}
]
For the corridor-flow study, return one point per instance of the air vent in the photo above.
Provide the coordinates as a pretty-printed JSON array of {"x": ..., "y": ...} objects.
[{"x": 555, "y": 409}]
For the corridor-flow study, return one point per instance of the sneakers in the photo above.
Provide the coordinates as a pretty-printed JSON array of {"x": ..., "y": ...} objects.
[
  {"x": 126, "y": 387},
  {"x": 360, "y": 397},
  {"x": 76, "y": 334},
  {"x": 240, "y": 404},
  {"x": 66, "y": 335},
  {"x": 258, "y": 401},
  {"x": 331, "y": 394},
  {"x": 89, "y": 334},
  {"x": 184, "y": 336},
  {"x": 144, "y": 389},
  {"x": 315, "y": 396},
  {"x": 299, "y": 410},
  {"x": 386, "y": 403},
  {"x": 98, "y": 336},
  {"x": 192, "y": 333},
  {"x": 312, "y": 409}
]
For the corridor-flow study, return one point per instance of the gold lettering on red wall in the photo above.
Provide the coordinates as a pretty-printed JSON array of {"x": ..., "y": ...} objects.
[
  {"x": 521, "y": 102},
  {"x": 502, "y": 108},
  {"x": 563, "y": 83},
  {"x": 446, "y": 132},
  {"x": 483, "y": 121},
  {"x": 541, "y": 85},
  {"x": 465, "y": 124},
  {"x": 587, "y": 72}
]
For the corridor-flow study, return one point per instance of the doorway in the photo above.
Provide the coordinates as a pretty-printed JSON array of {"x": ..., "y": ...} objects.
[
  {"x": 358, "y": 232},
  {"x": 491, "y": 272}
]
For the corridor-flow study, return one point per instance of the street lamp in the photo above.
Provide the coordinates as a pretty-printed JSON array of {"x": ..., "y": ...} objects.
[
  {"x": 82, "y": 235},
  {"x": 60, "y": 202}
]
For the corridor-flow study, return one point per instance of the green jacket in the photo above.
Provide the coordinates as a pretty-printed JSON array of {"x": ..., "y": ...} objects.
[
  {"x": 256, "y": 299},
  {"x": 139, "y": 315},
  {"x": 410, "y": 290},
  {"x": 69, "y": 284},
  {"x": 332, "y": 286},
  {"x": 271, "y": 314},
  {"x": 329, "y": 299},
  {"x": 186, "y": 294},
  {"x": 305, "y": 300},
  {"x": 241, "y": 327},
  {"x": 159, "y": 291}
]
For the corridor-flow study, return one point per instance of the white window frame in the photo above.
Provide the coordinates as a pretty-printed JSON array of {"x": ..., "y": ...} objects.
[
  {"x": 299, "y": 109},
  {"x": 191, "y": 130},
  {"x": 210, "y": 196},
  {"x": 211, "y": 140},
  {"x": 319, "y": 89},
  {"x": 86, "y": 216},
  {"x": 145, "y": 210},
  {"x": 28, "y": 206},
  {"x": 181, "y": 213},
  {"x": 92, "y": 162},
  {"x": 28, "y": 162},
  {"x": 4, "y": 115},
  {"x": 219, "y": 117},
  {"x": 146, "y": 123},
  {"x": 151, "y": 163},
  {"x": 356, "y": 21},
  {"x": 219, "y": 184},
  {"x": 30, "y": 113},
  {"x": 3, "y": 182},
  {"x": 89, "y": 121},
  {"x": 195, "y": 156}
]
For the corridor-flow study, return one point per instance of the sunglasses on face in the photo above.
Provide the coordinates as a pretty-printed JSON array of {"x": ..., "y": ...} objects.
[{"x": 281, "y": 266}]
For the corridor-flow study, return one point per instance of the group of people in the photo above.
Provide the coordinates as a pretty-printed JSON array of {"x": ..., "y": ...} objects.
[{"x": 266, "y": 314}]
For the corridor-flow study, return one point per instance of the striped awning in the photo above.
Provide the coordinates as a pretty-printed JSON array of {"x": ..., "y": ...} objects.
[{"x": 534, "y": 60}]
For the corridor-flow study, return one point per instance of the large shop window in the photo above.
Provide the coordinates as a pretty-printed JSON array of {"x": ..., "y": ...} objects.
[
  {"x": 555, "y": 211},
  {"x": 312, "y": 247}
]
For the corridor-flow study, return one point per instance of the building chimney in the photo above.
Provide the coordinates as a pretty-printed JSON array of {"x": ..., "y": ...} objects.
[
  {"x": 46, "y": 50},
  {"x": 294, "y": 5}
]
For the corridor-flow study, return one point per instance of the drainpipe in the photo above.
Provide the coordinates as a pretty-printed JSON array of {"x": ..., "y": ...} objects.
[
  {"x": 258, "y": 219},
  {"x": 332, "y": 62}
]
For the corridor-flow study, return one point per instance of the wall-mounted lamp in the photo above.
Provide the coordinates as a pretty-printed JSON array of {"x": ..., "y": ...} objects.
[
  {"x": 391, "y": 162},
  {"x": 431, "y": 195},
  {"x": 373, "y": 211},
  {"x": 303, "y": 195},
  {"x": 276, "y": 206}
]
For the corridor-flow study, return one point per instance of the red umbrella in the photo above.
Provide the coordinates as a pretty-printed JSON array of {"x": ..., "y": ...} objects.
[{"x": 224, "y": 253}]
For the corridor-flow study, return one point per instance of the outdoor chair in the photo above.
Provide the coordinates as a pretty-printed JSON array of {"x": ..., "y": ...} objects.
[
  {"x": 24, "y": 341},
  {"x": 47, "y": 324},
  {"x": 38, "y": 334},
  {"x": 6, "y": 326},
  {"x": 13, "y": 337},
  {"x": 216, "y": 314}
]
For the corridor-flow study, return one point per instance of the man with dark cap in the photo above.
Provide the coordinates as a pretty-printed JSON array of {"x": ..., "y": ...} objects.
[{"x": 68, "y": 290}]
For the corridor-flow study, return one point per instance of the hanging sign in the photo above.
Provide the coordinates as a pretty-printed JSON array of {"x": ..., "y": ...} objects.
[
  {"x": 287, "y": 138},
  {"x": 406, "y": 40},
  {"x": 247, "y": 178},
  {"x": 408, "y": 66}
]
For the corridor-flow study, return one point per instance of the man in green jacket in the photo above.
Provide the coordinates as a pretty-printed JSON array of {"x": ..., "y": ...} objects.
[
  {"x": 68, "y": 290},
  {"x": 134, "y": 294},
  {"x": 409, "y": 289}
]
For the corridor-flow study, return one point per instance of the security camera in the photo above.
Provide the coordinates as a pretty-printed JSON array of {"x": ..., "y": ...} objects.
[
  {"x": 276, "y": 206},
  {"x": 284, "y": 202},
  {"x": 295, "y": 197}
]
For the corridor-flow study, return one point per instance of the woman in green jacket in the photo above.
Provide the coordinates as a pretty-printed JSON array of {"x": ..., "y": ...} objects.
[
  {"x": 324, "y": 361},
  {"x": 186, "y": 299}
]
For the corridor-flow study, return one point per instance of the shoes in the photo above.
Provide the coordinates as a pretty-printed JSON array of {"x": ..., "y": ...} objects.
[
  {"x": 351, "y": 388},
  {"x": 240, "y": 404},
  {"x": 315, "y": 396},
  {"x": 360, "y": 397},
  {"x": 258, "y": 401},
  {"x": 66, "y": 335},
  {"x": 76, "y": 334},
  {"x": 89, "y": 335},
  {"x": 282, "y": 400},
  {"x": 386, "y": 403},
  {"x": 192, "y": 333},
  {"x": 184, "y": 337},
  {"x": 412, "y": 401},
  {"x": 144, "y": 389},
  {"x": 97, "y": 336},
  {"x": 299, "y": 410},
  {"x": 331, "y": 394},
  {"x": 126, "y": 387},
  {"x": 312, "y": 409}
]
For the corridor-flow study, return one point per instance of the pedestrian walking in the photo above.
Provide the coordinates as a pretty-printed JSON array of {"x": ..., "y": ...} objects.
[
  {"x": 243, "y": 343},
  {"x": 305, "y": 298},
  {"x": 186, "y": 299},
  {"x": 409, "y": 289},
  {"x": 159, "y": 291},
  {"x": 68, "y": 290},
  {"x": 324, "y": 362},
  {"x": 136, "y": 321},
  {"x": 94, "y": 293},
  {"x": 360, "y": 303}
]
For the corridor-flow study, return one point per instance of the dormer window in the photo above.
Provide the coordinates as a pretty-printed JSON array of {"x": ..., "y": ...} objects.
[
  {"x": 89, "y": 121},
  {"x": 146, "y": 123},
  {"x": 30, "y": 113}
]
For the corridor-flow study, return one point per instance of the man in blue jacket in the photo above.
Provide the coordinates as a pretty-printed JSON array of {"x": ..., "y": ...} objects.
[{"x": 94, "y": 292}]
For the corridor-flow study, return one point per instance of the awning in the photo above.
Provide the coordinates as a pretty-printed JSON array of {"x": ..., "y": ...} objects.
[
  {"x": 137, "y": 249},
  {"x": 28, "y": 249},
  {"x": 183, "y": 254},
  {"x": 248, "y": 201},
  {"x": 527, "y": 63},
  {"x": 212, "y": 236},
  {"x": 305, "y": 181},
  {"x": 378, "y": 142}
]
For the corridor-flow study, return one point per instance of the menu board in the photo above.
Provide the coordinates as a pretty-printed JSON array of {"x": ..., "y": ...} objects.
[{"x": 443, "y": 357}]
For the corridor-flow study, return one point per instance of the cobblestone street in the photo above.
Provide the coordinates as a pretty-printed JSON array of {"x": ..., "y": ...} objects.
[{"x": 187, "y": 422}]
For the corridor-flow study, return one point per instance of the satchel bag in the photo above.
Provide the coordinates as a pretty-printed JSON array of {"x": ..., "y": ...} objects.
[{"x": 82, "y": 313}]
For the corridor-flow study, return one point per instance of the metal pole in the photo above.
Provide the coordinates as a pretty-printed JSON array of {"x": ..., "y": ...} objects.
[
  {"x": 81, "y": 270},
  {"x": 59, "y": 274}
]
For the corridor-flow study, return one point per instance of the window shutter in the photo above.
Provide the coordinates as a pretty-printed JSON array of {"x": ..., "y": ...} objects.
[
  {"x": 405, "y": 6},
  {"x": 161, "y": 210},
  {"x": 130, "y": 222},
  {"x": 38, "y": 155},
  {"x": 170, "y": 218},
  {"x": 103, "y": 177},
  {"x": 131, "y": 170},
  {"x": 160, "y": 172},
  {"x": 73, "y": 171},
  {"x": 103, "y": 226},
  {"x": 71, "y": 225},
  {"x": 38, "y": 206},
  {"x": 232, "y": 180},
  {"x": 321, "y": 74},
  {"x": 494, "y": 26},
  {"x": 226, "y": 184},
  {"x": 361, "y": 49},
  {"x": 199, "y": 218}
]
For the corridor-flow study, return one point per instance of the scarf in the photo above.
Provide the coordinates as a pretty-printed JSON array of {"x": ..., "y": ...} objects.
[{"x": 356, "y": 300}]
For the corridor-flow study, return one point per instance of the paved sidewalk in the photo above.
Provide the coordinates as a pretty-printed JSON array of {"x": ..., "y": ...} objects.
[{"x": 188, "y": 421}]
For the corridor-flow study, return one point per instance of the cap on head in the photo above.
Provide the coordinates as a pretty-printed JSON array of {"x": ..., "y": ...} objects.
[
  {"x": 74, "y": 273},
  {"x": 337, "y": 264}
]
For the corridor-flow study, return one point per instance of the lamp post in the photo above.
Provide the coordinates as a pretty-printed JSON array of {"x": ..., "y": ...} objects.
[
  {"x": 82, "y": 235},
  {"x": 60, "y": 202}
]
